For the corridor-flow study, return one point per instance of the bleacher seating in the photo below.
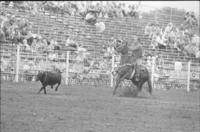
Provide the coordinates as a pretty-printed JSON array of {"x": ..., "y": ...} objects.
[{"x": 59, "y": 27}]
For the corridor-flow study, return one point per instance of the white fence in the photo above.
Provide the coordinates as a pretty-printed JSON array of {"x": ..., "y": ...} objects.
[
  {"x": 169, "y": 74},
  {"x": 26, "y": 64}
]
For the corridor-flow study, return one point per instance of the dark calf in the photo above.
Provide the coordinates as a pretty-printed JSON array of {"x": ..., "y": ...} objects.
[{"x": 49, "y": 78}]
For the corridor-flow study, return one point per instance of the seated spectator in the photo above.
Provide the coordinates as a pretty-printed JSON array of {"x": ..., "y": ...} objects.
[
  {"x": 196, "y": 43},
  {"x": 133, "y": 12},
  {"x": 124, "y": 10},
  {"x": 104, "y": 12},
  {"x": 172, "y": 38},
  {"x": 180, "y": 41},
  {"x": 154, "y": 40},
  {"x": 147, "y": 30},
  {"x": 196, "y": 40},
  {"x": 194, "y": 20},
  {"x": 191, "y": 49},
  {"x": 119, "y": 11},
  {"x": 168, "y": 28},
  {"x": 187, "y": 15},
  {"x": 71, "y": 43},
  {"x": 4, "y": 64},
  {"x": 110, "y": 11},
  {"x": 91, "y": 16},
  {"x": 2, "y": 35},
  {"x": 149, "y": 61},
  {"x": 153, "y": 30},
  {"x": 42, "y": 45},
  {"x": 27, "y": 46},
  {"x": 86, "y": 62},
  {"x": 82, "y": 9},
  {"x": 190, "y": 21},
  {"x": 161, "y": 41}
]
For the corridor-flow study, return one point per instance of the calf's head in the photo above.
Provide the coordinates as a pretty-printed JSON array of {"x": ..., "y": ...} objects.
[{"x": 39, "y": 76}]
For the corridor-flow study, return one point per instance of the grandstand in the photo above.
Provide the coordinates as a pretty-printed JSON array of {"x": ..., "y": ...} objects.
[
  {"x": 45, "y": 36},
  {"x": 61, "y": 26}
]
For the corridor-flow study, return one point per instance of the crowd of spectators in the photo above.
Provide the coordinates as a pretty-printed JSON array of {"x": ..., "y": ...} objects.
[
  {"x": 13, "y": 28},
  {"x": 10, "y": 26},
  {"x": 190, "y": 20},
  {"x": 19, "y": 31},
  {"x": 181, "y": 38},
  {"x": 107, "y": 9}
]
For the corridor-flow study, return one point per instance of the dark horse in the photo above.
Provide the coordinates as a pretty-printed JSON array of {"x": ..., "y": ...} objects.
[
  {"x": 129, "y": 69},
  {"x": 140, "y": 76},
  {"x": 49, "y": 78}
]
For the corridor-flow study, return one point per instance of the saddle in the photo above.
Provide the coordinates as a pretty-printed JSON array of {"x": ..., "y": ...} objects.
[{"x": 122, "y": 69}]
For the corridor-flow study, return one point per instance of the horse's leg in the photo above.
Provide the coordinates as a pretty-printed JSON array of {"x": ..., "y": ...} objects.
[
  {"x": 118, "y": 80},
  {"x": 57, "y": 86},
  {"x": 139, "y": 86},
  {"x": 150, "y": 85},
  {"x": 121, "y": 77}
]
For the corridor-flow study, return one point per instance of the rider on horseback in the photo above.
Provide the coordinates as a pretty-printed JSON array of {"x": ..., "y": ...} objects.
[
  {"x": 130, "y": 64},
  {"x": 136, "y": 53},
  {"x": 131, "y": 55}
]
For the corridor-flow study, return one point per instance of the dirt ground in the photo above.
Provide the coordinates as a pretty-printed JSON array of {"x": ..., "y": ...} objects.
[{"x": 94, "y": 109}]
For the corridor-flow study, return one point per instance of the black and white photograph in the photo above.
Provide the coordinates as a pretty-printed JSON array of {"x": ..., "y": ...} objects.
[{"x": 100, "y": 66}]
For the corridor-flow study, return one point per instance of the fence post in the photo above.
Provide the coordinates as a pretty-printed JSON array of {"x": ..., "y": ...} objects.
[
  {"x": 67, "y": 69},
  {"x": 188, "y": 77},
  {"x": 152, "y": 70},
  {"x": 17, "y": 64},
  {"x": 113, "y": 65}
]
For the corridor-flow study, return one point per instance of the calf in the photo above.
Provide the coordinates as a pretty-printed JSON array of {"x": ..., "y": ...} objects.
[{"x": 49, "y": 78}]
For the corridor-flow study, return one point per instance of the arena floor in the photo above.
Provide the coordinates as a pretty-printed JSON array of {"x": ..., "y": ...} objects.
[{"x": 92, "y": 109}]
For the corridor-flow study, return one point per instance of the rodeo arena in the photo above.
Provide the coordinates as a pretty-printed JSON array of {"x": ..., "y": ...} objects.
[{"x": 100, "y": 66}]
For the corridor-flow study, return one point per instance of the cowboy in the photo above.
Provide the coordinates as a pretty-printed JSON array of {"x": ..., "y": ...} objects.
[
  {"x": 131, "y": 53},
  {"x": 136, "y": 50},
  {"x": 136, "y": 53}
]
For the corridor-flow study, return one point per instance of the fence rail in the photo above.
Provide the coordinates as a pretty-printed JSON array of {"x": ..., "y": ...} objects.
[
  {"x": 131, "y": 26},
  {"x": 24, "y": 68}
]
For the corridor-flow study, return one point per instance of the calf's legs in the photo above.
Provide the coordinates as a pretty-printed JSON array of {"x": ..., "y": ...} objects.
[
  {"x": 40, "y": 90},
  {"x": 43, "y": 88},
  {"x": 57, "y": 87}
]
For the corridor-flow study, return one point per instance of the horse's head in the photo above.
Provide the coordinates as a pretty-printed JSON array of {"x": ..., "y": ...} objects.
[
  {"x": 120, "y": 45},
  {"x": 58, "y": 70}
]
